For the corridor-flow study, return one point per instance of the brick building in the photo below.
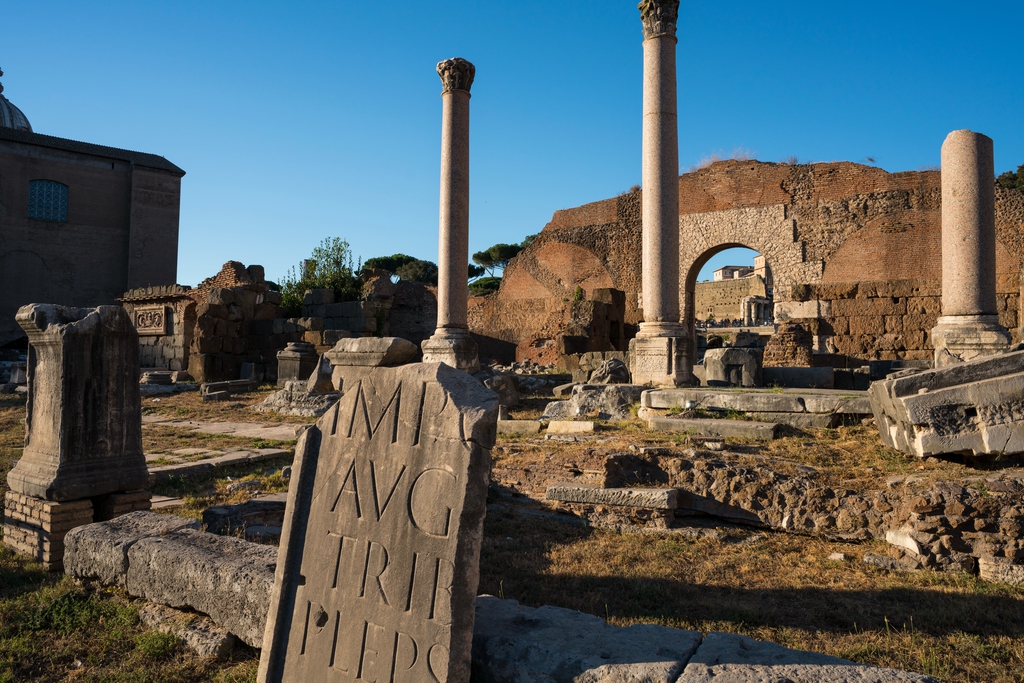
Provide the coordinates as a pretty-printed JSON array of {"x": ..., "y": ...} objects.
[{"x": 80, "y": 223}]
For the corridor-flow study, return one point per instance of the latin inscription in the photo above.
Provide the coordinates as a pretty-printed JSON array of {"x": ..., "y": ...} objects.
[{"x": 374, "y": 602}]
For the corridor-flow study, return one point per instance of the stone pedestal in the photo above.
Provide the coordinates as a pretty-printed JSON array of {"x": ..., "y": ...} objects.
[
  {"x": 451, "y": 343},
  {"x": 969, "y": 326},
  {"x": 84, "y": 423},
  {"x": 660, "y": 354},
  {"x": 296, "y": 362}
]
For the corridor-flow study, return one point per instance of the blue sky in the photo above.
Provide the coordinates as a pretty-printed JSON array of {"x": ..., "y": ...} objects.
[{"x": 304, "y": 120}]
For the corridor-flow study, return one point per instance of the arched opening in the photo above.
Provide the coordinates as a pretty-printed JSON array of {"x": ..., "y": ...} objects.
[{"x": 728, "y": 290}]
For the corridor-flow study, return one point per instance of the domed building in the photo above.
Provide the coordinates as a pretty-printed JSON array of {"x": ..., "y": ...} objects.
[{"x": 80, "y": 223}]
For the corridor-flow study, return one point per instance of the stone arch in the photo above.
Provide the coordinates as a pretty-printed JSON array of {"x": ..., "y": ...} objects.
[{"x": 767, "y": 230}]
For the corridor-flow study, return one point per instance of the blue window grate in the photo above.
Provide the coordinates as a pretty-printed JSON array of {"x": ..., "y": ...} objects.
[{"x": 48, "y": 200}]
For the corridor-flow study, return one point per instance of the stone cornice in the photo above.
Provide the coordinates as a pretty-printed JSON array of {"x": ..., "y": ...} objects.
[
  {"x": 456, "y": 74},
  {"x": 659, "y": 17}
]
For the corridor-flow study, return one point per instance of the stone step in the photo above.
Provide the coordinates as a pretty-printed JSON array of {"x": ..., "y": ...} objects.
[
  {"x": 765, "y": 401},
  {"x": 740, "y": 429},
  {"x": 212, "y": 464},
  {"x": 518, "y": 427},
  {"x": 651, "y": 499}
]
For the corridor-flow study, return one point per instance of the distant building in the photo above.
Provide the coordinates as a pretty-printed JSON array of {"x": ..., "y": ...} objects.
[
  {"x": 80, "y": 223},
  {"x": 732, "y": 272}
]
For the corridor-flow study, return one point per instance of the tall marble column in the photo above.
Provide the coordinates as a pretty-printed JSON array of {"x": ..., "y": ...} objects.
[
  {"x": 660, "y": 352},
  {"x": 969, "y": 326},
  {"x": 451, "y": 343}
]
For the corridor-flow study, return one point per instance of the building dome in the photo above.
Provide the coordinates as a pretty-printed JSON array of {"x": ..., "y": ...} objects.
[{"x": 11, "y": 116}]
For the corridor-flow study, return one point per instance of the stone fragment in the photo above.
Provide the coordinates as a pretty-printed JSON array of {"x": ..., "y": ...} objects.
[
  {"x": 519, "y": 427},
  {"x": 84, "y": 424},
  {"x": 517, "y": 644},
  {"x": 741, "y": 429},
  {"x": 296, "y": 362},
  {"x": 611, "y": 371},
  {"x": 100, "y": 551},
  {"x": 563, "y": 389},
  {"x": 902, "y": 538},
  {"x": 733, "y": 367},
  {"x": 976, "y": 407},
  {"x": 731, "y": 658},
  {"x": 383, "y": 529},
  {"x": 798, "y": 377},
  {"x": 221, "y": 576},
  {"x": 1001, "y": 570},
  {"x": 373, "y": 352},
  {"x": 200, "y": 634},
  {"x": 295, "y": 399},
  {"x": 652, "y": 499},
  {"x": 570, "y": 427},
  {"x": 216, "y": 395},
  {"x": 319, "y": 381},
  {"x": 502, "y": 384},
  {"x": 19, "y": 375},
  {"x": 600, "y": 401}
]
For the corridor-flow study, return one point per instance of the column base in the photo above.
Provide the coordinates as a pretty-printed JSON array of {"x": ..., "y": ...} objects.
[
  {"x": 453, "y": 347},
  {"x": 660, "y": 355},
  {"x": 961, "y": 338}
]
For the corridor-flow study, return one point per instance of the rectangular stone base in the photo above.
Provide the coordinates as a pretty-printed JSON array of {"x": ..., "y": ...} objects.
[
  {"x": 36, "y": 527},
  {"x": 660, "y": 361}
]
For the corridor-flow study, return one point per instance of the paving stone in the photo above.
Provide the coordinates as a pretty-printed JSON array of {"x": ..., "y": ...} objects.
[
  {"x": 519, "y": 427},
  {"x": 731, "y": 658},
  {"x": 517, "y": 644},
  {"x": 653, "y": 499},
  {"x": 741, "y": 429},
  {"x": 569, "y": 427}
]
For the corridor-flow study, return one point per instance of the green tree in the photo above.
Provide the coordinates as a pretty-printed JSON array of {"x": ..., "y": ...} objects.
[
  {"x": 418, "y": 271},
  {"x": 484, "y": 285},
  {"x": 331, "y": 266},
  {"x": 475, "y": 271},
  {"x": 496, "y": 257},
  {"x": 1012, "y": 180},
  {"x": 389, "y": 263}
]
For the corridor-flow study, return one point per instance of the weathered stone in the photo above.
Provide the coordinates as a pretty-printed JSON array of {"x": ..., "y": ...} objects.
[
  {"x": 518, "y": 427},
  {"x": 373, "y": 352},
  {"x": 221, "y": 576},
  {"x": 734, "y": 367},
  {"x": 798, "y": 377},
  {"x": 1001, "y": 570},
  {"x": 740, "y": 429},
  {"x": 84, "y": 419},
  {"x": 502, "y": 384},
  {"x": 296, "y": 362},
  {"x": 383, "y": 529},
  {"x": 798, "y": 420},
  {"x": 563, "y": 389},
  {"x": 19, "y": 375},
  {"x": 570, "y": 427},
  {"x": 200, "y": 634},
  {"x": 517, "y": 644},
  {"x": 601, "y": 401},
  {"x": 295, "y": 399},
  {"x": 319, "y": 381},
  {"x": 974, "y": 407},
  {"x": 654, "y": 499},
  {"x": 611, "y": 371},
  {"x": 731, "y": 658}
]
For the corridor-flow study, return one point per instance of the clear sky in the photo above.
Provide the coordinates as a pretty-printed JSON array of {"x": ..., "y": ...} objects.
[{"x": 301, "y": 120}]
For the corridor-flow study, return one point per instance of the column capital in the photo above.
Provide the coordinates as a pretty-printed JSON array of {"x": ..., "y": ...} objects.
[
  {"x": 456, "y": 74},
  {"x": 659, "y": 17}
]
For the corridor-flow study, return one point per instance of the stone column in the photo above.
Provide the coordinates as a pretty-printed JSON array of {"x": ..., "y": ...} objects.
[
  {"x": 969, "y": 326},
  {"x": 660, "y": 352},
  {"x": 451, "y": 342}
]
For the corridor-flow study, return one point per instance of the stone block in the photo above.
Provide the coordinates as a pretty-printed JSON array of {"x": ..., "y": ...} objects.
[
  {"x": 221, "y": 296},
  {"x": 799, "y": 420},
  {"x": 319, "y": 381},
  {"x": 740, "y": 429},
  {"x": 600, "y": 401},
  {"x": 975, "y": 408},
  {"x": 318, "y": 297},
  {"x": 85, "y": 411},
  {"x": 100, "y": 550},
  {"x": 799, "y": 378},
  {"x": 200, "y": 634},
  {"x": 650, "y": 499},
  {"x": 734, "y": 367},
  {"x": 734, "y": 658},
  {"x": 296, "y": 362},
  {"x": 373, "y": 352},
  {"x": 517, "y": 644},
  {"x": 393, "y": 478},
  {"x": 1001, "y": 570},
  {"x": 519, "y": 427},
  {"x": 37, "y": 528},
  {"x": 570, "y": 427}
]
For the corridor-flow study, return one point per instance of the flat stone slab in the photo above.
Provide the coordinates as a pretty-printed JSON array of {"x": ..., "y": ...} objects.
[
  {"x": 570, "y": 427},
  {"x": 764, "y": 401},
  {"x": 731, "y": 658},
  {"x": 517, "y": 644},
  {"x": 373, "y": 351},
  {"x": 799, "y": 420},
  {"x": 208, "y": 465},
  {"x": 519, "y": 427},
  {"x": 200, "y": 634},
  {"x": 652, "y": 499},
  {"x": 276, "y": 431},
  {"x": 740, "y": 429}
]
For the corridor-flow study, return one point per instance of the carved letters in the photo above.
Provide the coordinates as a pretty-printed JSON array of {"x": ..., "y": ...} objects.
[{"x": 385, "y": 590}]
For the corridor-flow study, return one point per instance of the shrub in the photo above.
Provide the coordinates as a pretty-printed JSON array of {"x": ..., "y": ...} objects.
[{"x": 331, "y": 266}]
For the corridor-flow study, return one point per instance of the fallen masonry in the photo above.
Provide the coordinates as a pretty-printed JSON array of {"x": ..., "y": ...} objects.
[{"x": 512, "y": 643}]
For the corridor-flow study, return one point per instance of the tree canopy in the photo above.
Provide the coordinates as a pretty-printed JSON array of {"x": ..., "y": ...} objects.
[
  {"x": 496, "y": 257},
  {"x": 1012, "y": 180},
  {"x": 330, "y": 266}
]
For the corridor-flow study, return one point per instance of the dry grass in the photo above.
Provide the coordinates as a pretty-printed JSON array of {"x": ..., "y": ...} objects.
[
  {"x": 157, "y": 439},
  {"x": 190, "y": 406}
]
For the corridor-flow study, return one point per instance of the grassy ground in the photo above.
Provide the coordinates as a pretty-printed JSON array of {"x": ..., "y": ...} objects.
[{"x": 771, "y": 586}]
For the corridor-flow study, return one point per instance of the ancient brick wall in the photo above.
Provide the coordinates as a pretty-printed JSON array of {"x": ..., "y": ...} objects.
[
  {"x": 721, "y": 298},
  {"x": 816, "y": 224}
]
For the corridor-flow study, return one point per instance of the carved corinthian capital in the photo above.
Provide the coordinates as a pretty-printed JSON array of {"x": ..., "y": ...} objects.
[
  {"x": 659, "y": 17},
  {"x": 456, "y": 74}
]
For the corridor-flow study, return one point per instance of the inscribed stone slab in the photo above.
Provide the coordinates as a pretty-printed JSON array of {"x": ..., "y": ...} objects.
[{"x": 378, "y": 567}]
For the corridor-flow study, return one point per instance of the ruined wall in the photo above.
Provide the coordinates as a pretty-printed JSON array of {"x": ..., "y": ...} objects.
[
  {"x": 816, "y": 224},
  {"x": 165, "y": 318},
  {"x": 722, "y": 298}
]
